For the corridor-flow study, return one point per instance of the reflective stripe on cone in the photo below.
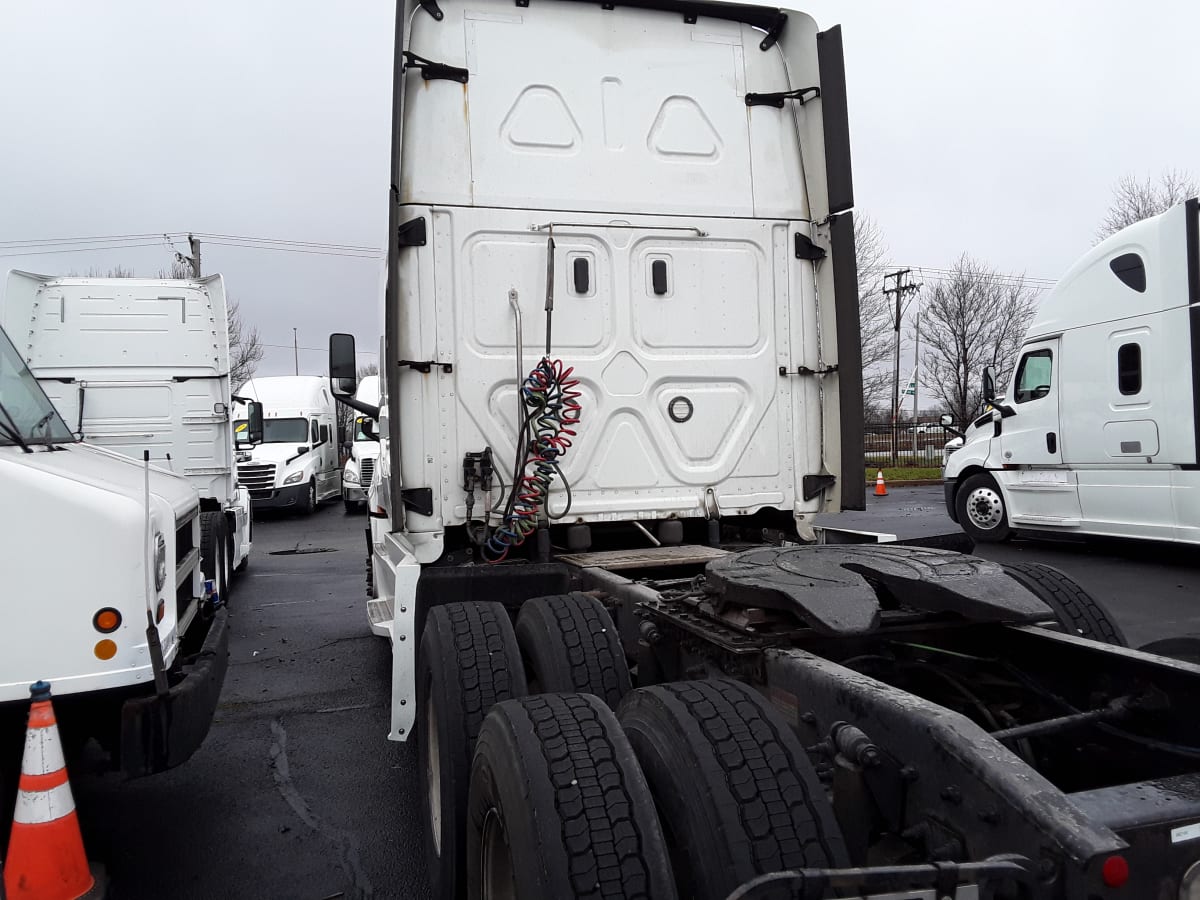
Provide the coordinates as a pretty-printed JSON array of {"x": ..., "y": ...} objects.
[{"x": 46, "y": 860}]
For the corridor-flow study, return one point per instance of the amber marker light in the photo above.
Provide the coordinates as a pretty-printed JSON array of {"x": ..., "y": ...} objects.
[
  {"x": 105, "y": 649},
  {"x": 162, "y": 608},
  {"x": 107, "y": 620}
]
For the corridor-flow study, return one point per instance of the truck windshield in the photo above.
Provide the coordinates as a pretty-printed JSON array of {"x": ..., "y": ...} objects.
[
  {"x": 359, "y": 434},
  {"x": 26, "y": 414},
  {"x": 285, "y": 431}
]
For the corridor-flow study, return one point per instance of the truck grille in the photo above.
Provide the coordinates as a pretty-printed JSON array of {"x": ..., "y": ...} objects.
[
  {"x": 366, "y": 471},
  {"x": 258, "y": 478}
]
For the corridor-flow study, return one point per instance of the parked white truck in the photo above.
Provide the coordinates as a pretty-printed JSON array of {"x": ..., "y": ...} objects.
[
  {"x": 295, "y": 465},
  {"x": 620, "y": 375},
  {"x": 363, "y": 439},
  {"x": 103, "y": 592},
  {"x": 1099, "y": 430},
  {"x": 137, "y": 364}
]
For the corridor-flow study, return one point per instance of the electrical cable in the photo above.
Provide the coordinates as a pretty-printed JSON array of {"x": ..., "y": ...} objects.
[{"x": 550, "y": 413}]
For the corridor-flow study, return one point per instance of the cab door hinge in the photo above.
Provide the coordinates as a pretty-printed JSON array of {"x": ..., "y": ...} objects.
[
  {"x": 426, "y": 365},
  {"x": 776, "y": 99},
  {"x": 434, "y": 71},
  {"x": 805, "y": 370}
]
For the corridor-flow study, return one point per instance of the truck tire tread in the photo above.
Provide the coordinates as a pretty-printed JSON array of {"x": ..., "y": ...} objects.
[
  {"x": 467, "y": 662},
  {"x": 587, "y": 827},
  {"x": 1077, "y": 611},
  {"x": 571, "y": 645},
  {"x": 733, "y": 781}
]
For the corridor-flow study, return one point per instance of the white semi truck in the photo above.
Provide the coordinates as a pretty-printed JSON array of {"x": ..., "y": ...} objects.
[
  {"x": 135, "y": 365},
  {"x": 295, "y": 465},
  {"x": 103, "y": 592},
  {"x": 620, "y": 375},
  {"x": 1099, "y": 430},
  {"x": 359, "y": 470}
]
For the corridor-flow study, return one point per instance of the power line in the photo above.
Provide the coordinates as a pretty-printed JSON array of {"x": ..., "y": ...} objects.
[
  {"x": 315, "y": 349},
  {"x": 322, "y": 244},
  {"x": 92, "y": 239},
  {"x": 80, "y": 249},
  {"x": 378, "y": 254}
]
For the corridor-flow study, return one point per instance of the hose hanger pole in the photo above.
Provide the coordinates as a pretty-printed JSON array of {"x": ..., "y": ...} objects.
[{"x": 549, "y": 287}]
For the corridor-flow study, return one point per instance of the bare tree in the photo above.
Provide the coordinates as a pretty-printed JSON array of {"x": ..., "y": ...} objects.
[
  {"x": 973, "y": 317},
  {"x": 1134, "y": 200},
  {"x": 874, "y": 320}
]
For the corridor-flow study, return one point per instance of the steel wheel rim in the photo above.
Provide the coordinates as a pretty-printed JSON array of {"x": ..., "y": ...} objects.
[
  {"x": 985, "y": 508},
  {"x": 496, "y": 860},
  {"x": 433, "y": 777}
]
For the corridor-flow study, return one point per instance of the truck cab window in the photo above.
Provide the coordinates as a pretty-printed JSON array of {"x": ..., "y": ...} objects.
[
  {"x": 324, "y": 433},
  {"x": 1129, "y": 369},
  {"x": 1033, "y": 376},
  {"x": 315, "y": 437}
]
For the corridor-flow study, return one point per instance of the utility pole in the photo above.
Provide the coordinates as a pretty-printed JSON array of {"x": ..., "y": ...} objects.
[
  {"x": 194, "y": 259},
  {"x": 295, "y": 352},
  {"x": 899, "y": 291}
]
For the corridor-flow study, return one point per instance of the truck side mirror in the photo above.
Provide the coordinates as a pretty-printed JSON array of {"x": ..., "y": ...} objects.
[
  {"x": 946, "y": 421},
  {"x": 989, "y": 382},
  {"x": 254, "y": 422},
  {"x": 343, "y": 365}
]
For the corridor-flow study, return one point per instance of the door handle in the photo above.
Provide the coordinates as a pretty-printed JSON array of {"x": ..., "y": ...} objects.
[{"x": 1051, "y": 442}]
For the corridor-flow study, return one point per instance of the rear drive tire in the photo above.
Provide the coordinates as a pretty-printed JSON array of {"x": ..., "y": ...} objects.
[
  {"x": 559, "y": 808},
  {"x": 227, "y": 567},
  {"x": 570, "y": 645},
  {"x": 467, "y": 662},
  {"x": 213, "y": 542},
  {"x": 735, "y": 790},
  {"x": 1077, "y": 611},
  {"x": 982, "y": 514}
]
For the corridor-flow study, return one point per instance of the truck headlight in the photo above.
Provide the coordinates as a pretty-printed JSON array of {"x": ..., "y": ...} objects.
[
  {"x": 350, "y": 476},
  {"x": 160, "y": 561},
  {"x": 1189, "y": 888},
  {"x": 294, "y": 478}
]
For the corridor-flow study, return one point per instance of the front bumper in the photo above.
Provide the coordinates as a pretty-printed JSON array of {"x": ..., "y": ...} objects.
[
  {"x": 281, "y": 498},
  {"x": 353, "y": 491},
  {"x": 159, "y": 733},
  {"x": 948, "y": 493}
]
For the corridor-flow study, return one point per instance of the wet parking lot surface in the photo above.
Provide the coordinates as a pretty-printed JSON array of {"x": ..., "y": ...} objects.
[{"x": 297, "y": 793}]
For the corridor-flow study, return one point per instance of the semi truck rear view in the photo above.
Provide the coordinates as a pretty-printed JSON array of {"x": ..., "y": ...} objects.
[
  {"x": 620, "y": 375},
  {"x": 136, "y": 365}
]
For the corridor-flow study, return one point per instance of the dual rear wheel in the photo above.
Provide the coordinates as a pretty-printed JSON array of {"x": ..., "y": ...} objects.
[{"x": 546, "y": 776}]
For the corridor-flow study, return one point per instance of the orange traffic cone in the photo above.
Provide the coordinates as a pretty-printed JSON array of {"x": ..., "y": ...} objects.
[
  {"x": 880, "y": 487},
  {"x": 45, "y": 851}
]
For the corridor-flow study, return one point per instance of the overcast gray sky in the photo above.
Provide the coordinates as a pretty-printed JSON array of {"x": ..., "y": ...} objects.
[{"x": 998, "y": 130}]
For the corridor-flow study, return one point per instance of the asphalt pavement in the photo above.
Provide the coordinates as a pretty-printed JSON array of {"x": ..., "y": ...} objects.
[{"x": 296, "y": 791}]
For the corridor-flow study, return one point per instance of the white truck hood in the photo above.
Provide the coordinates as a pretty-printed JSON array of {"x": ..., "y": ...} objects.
[
  {"x": 74, "y": 538},
  {"x": 275, "y": 453},
  {"x": 113, "y": 472}
]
